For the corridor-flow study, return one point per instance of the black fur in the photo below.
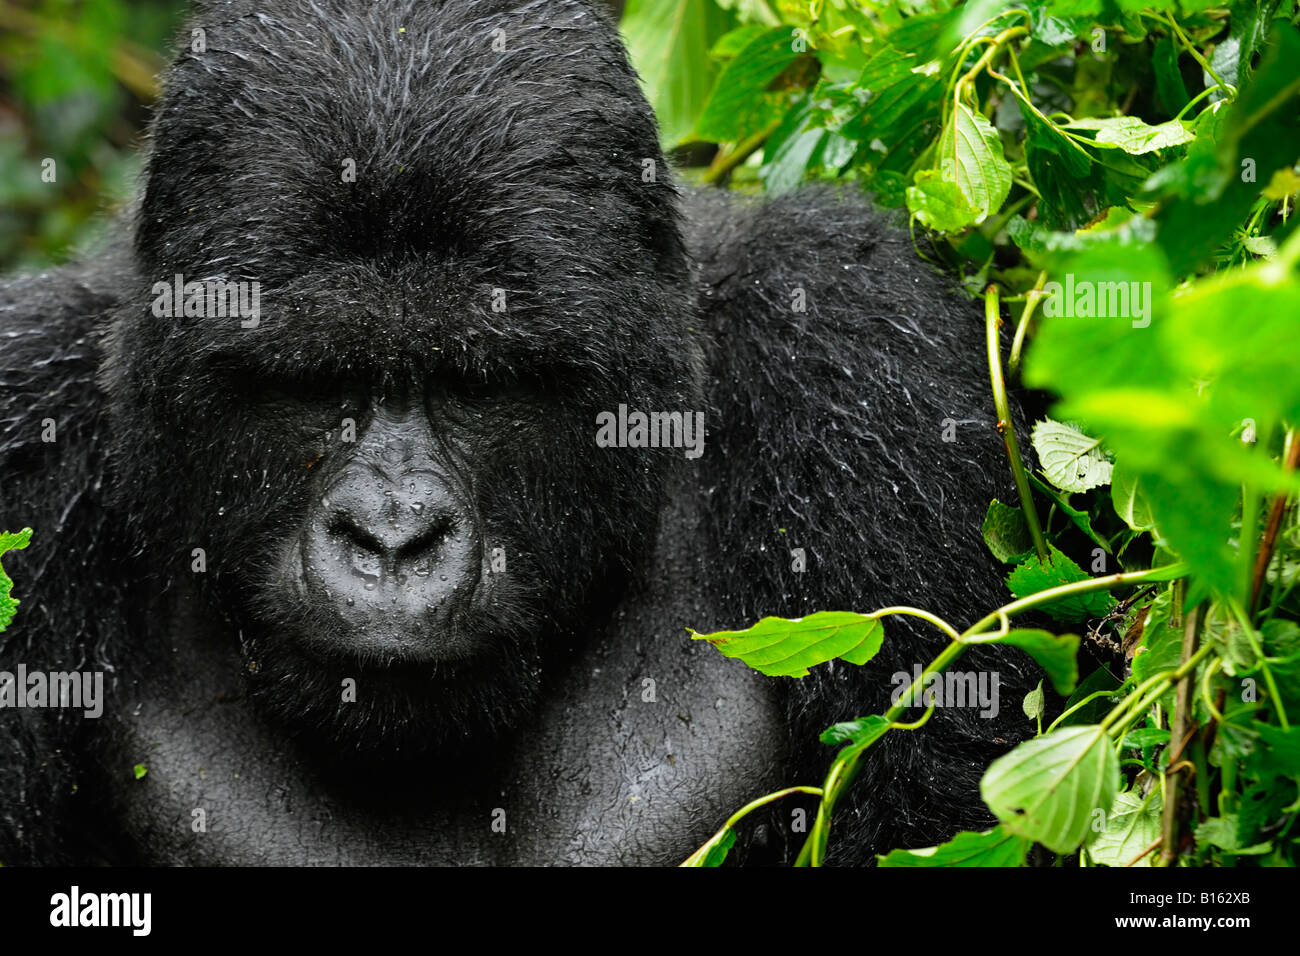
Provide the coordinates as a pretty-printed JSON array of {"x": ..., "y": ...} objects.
[{"x": 479, "y": 170}]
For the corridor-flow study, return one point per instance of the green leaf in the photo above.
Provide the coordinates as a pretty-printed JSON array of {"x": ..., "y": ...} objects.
[
  {"x": 900, "y": 111},
  {"x": 863, "y": 730},
  {"x": 939, "y": 204},
  {"x": 1169, "y": 79},
  {"x": 1035, "y": 703},
  {"x": 139, "y": 770},
  {"x": 1222, "y": 832},
  {"x": 734, "y": 41},
  {"x": 783, "y": 647},
  {"x": 1129, "y": 500},
  {"x": 714, "y": 852},
  {"x": 995, "y": 847},
  {"x": 1131, "y": 826},
  {"x": 1261, "y": 127},
  {"x": 1145, "y": 737},
  {"x": 1074, "y": 190},
  {"x": 970, "y": 155},
  {"x": 1006, "y": 533},
  {"x": 1070, "y": 459},
  {"x": 668, "y": 42},
  {"x": 791, "y": 151},
  {"x": 1134, "y": 136},
  {"x": 1049, "y": 788},
  {"x": 1057, "y": 653},
  {"x": 1092, "y": 712},
  {"x": 1161, "y": 646},
  {"x": 744, "y": 99},
  {"x": 1033, "y": 575},
  {"x": 10, "y": 541}
]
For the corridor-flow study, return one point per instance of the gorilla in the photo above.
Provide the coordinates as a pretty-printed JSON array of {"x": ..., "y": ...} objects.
[{"x": 340, "y": 476}]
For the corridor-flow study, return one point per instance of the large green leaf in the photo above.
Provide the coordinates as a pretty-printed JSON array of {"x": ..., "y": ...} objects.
[
  {"x": 995, "y": 847},
  {"x": 783, "y": 647},
  {"x": 970, "y": 155},
  {"x": 1048, "y": 789},
  {"x": 668, "y": 42},
  {"x": 743, "y": 100}
]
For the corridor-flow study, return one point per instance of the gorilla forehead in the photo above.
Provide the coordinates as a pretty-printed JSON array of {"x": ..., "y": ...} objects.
[{"x": 524, "y": 156}]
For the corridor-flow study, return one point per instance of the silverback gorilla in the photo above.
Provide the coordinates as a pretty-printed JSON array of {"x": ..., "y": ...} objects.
[{"x": 362, "y": 583}]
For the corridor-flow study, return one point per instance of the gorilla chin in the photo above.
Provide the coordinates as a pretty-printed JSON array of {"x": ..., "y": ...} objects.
[{"x": 403, "y": 678}]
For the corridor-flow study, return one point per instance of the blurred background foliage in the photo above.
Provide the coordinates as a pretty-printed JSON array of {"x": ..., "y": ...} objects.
[{"x": 75, "y": 80}]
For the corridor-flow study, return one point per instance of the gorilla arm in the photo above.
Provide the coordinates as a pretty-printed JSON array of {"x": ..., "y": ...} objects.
[{"x": 853, "y": 421}]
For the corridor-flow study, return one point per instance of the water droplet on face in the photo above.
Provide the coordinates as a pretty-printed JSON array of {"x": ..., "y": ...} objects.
[
  {"x": 422, "y": 572},
  {"x": 442, "y": 577},
  {"x": 221, "y": 511},
  {"x": 370, "y": 584},
  {"x": 417, "y": 507},
  {"x": 351, "y": 602}
]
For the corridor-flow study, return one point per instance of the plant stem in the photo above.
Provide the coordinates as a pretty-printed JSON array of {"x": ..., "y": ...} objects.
[
  {"x": 992, "y": 322},
  {"x": 1178, "y": 732}
]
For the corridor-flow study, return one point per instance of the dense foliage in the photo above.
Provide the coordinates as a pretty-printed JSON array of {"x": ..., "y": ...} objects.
[{"x": 1121, "y": 176}]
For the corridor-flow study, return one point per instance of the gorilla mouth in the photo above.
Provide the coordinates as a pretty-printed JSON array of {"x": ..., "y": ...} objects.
[{"x": 373, "y": 611}]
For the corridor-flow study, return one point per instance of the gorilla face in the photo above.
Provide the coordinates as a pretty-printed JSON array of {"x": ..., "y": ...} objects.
[{"x": 391, "y": 470}]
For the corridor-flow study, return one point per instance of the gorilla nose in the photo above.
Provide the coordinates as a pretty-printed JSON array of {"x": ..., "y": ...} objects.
[{"x": 389, "y": 549}]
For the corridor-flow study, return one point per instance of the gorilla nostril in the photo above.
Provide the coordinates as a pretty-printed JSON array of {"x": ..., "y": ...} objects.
[
  {"x": 343, "y": 527},
  {"x": 414, "y": 541},
  {"x": 426, "y": 541}
]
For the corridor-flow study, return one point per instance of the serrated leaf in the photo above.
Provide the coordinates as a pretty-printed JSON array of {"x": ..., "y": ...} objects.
[
  {"x": 995, "y": 847},
  {"x": 1070, "y": 459},
  {"x": 1034, "y": 574},
  {"x": 785, "y": 647},
  {"x": 1134, "y": 136},
  {"x": 939, "y": 204},
  {"x": 1222, "y": 832},
  {"x": 970, "y": 155},
  {"x": 1131, "y": 826},
  {"x": 10, "y": 541},
  {"x": 1048, "y": 788}
]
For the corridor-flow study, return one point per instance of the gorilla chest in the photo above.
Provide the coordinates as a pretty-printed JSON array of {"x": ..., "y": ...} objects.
[{"x": 644, "y": 746}]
